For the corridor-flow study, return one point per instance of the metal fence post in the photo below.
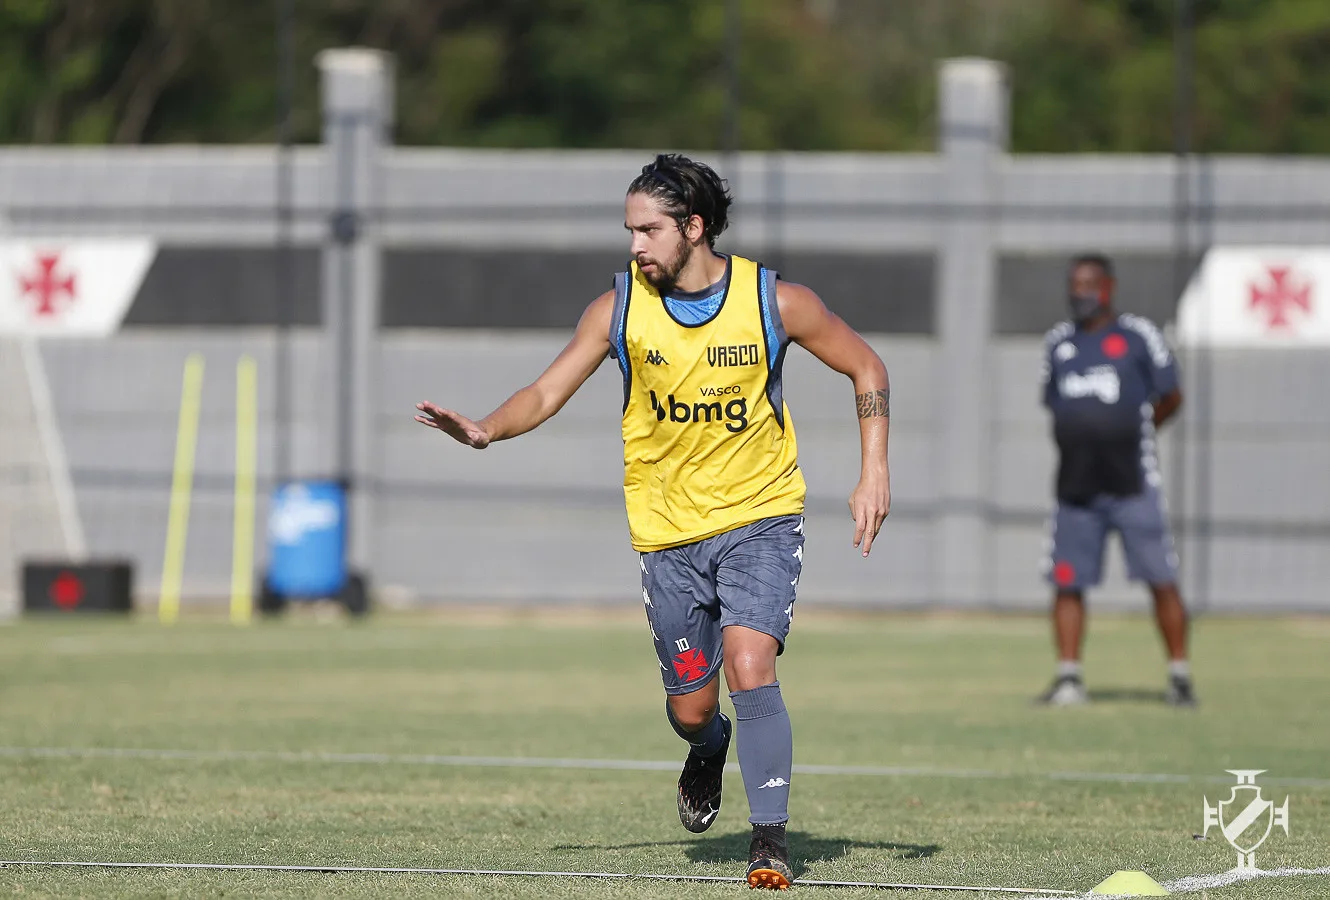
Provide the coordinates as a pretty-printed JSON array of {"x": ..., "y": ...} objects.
[
  {"x": 284, "y": 213},
  {"x": 973, "y": 139},
  {"x": 357, "y": 108}
]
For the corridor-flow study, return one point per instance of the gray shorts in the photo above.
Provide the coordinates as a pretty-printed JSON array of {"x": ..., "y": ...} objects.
[
  {"x": 1080, "y": 533},
  {"x": 746, "y": 576}
]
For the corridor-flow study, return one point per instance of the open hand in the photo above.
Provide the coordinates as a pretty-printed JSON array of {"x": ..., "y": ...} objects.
[
  {"x": 869, "y": 505},
  {"x": 455, "y": 425}
]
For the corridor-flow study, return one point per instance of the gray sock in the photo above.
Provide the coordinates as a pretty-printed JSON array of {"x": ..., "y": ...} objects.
[
  {"x": 707, "y": 739},
  {"x": 766, "y": 752}
]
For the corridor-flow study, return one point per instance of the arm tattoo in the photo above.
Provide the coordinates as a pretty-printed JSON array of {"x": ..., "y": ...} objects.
[{"x": 874, "y": 403}]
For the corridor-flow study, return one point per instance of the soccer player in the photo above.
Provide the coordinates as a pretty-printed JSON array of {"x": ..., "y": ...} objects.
[
  {"x": 1109, "y": 381},
  {"x": 711, "y": 477}
]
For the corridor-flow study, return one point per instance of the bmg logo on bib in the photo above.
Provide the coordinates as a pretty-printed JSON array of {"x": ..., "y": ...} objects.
[{"x": 734, "y": 413}]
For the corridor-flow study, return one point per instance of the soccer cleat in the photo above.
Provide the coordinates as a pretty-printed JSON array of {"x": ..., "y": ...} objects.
[
  {"x": 1180, "y": 692},
  {"x": 769, "y": 859},
  {"x": 1066, "y": 690},
  {"x": 700, "y": 784}
]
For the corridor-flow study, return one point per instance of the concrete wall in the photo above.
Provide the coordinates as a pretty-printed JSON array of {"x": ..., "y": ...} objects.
[
  {"x": 541, "y": 519},
  {"x": 952, "y": 261}
]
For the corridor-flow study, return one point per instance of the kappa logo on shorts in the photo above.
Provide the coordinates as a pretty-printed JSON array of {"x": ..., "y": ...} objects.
[{"x": 690, "y": 665}]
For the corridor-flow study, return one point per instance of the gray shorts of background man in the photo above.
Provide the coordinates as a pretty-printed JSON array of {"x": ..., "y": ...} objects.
[{"x": 1109, "y": 381}]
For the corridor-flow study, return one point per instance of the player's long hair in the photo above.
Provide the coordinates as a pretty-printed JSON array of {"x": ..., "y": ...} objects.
[{"x": 685, "y": 188}]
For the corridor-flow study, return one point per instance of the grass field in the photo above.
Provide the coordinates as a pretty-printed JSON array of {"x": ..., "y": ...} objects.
[{"x": 995, "y": 792}]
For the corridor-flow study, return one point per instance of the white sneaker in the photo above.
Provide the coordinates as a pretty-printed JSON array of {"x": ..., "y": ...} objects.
[{"x": 1066, "y": 690}]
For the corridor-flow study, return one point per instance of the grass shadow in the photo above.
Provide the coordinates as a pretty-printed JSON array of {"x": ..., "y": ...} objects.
[
  {"x": 805, "y": 848},
  {"x": 1127, "y": 695}
]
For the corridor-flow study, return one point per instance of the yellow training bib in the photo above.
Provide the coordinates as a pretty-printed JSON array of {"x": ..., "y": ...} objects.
[{"x": 708, "y": 444}]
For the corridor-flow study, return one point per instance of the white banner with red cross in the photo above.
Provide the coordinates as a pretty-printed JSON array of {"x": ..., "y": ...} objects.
[
  {"x": 1258, "y": 297},
  {"x": 76, "y": 288}
]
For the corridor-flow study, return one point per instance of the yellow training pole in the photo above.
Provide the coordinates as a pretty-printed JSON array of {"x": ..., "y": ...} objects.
[
  {"x": 182, "y": 481},
  {"x": 247, "y": 453}
]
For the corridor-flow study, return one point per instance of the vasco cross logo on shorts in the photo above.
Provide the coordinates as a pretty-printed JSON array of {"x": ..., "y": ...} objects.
[{"x": 689, "y": 665}]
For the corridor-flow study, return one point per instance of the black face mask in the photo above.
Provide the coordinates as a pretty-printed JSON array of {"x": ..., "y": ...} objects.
[{"x": 1083, "y": 306}]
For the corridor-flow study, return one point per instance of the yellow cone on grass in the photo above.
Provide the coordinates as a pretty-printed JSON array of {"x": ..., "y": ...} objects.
[{"x": 1129, "y": 884}]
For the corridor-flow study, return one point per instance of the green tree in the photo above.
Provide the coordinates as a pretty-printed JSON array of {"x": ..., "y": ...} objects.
[
  {"x": 1098, "y": 75},
  {"x": 815, "y": 74}
]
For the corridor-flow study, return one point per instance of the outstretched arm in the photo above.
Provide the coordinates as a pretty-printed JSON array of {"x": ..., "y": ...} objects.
[
  {"x": 541, "y": 399},
  {"x": 822, "y": 333}
]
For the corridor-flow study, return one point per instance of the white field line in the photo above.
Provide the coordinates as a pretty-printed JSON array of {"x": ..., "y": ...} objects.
[
  {"x": 632, "y": 765},
  {"x": 501, "y": 873},
  {"x": 1185, "y": 885},
  {"x": 1190, "y": 884}
]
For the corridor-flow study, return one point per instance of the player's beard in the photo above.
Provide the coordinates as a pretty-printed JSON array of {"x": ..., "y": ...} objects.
[{"x": 666, "y": 275}]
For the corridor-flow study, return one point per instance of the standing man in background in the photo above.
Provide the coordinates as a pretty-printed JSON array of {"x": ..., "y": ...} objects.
[{"x": 1109, "y": 381}]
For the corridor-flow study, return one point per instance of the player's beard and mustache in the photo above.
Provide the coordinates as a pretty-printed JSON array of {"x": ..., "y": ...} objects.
[{"x": 666, "y": 275}]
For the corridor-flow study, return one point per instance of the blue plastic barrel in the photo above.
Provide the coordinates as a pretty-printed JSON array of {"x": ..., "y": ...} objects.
[{"x": 307, "y": 539}]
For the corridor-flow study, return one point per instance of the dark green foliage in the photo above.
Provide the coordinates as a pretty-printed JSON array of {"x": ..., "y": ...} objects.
[{"x": 815, "y": 74}]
